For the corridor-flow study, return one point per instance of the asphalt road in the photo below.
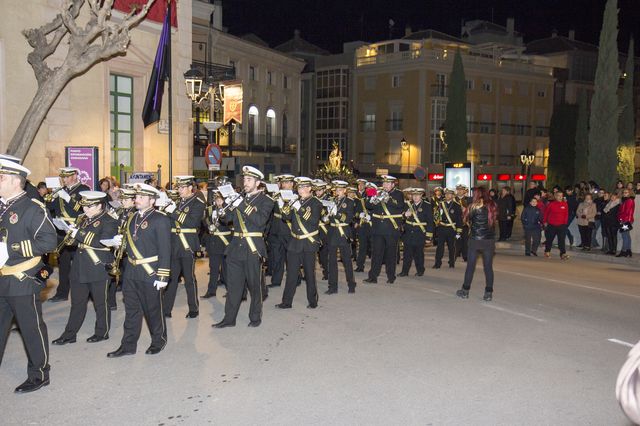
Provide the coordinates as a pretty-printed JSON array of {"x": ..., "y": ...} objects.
[{"x": 408, "y": 353}]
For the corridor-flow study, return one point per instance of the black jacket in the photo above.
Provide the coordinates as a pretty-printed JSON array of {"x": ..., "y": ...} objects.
[
  {"x": 150, "y": 235},
  {"x": 306, "y": 220},
  {"x": 531, "y": 218},
  {"x": 417, "y": 233},
  {"x": 187, "y": 216},
  {"x": 610, "y": 219},
  {"x": 92, "y": 258},
  {"x": 255, "y": 211},
  {"x": 339, "y": 225},
  {"x": 506, "y": 207},
  {"x": 479, "y": 224},
  {"x": 395, "y": 206}
]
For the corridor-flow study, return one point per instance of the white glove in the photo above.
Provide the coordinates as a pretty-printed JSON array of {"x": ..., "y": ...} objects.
[
  {"x": 457, "y": 236},
  {"x": 159, "y": 285},
  {"x": 362, "y": 215},
  {"x": 296, "y": 205},
  {"x": 73, "y": 231},
  {"x": 118, "y": 240},
  {"x": 407, "y": 213},
  {"x": 214, "y": 215},
  {"x": 171, "y": 207},
  {"x": 367, "y": 218},
  {"x": 333, "y": 211},
  {"x": 237, "y": 202},
  {"x": 64, "y": 195},
  {"x": 325, "y": 219}
]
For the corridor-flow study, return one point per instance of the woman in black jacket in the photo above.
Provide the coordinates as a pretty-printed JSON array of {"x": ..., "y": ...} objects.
[
  {"x": 610, "y": 223},
  {"x": 481, "y": 218},
  {"x": 506, "y": 213}
]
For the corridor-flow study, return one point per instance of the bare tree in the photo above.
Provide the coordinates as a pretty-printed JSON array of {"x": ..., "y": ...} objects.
[{"x": 98, "y": 40}]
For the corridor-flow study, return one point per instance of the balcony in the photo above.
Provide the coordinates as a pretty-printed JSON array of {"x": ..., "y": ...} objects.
[
  {"x": 215, "y": 72},
  {"x": 367, "y": 126},
  {"x": 515, "y": 129},
  {"x": 262, "y": 143},
  {"x": 439, "y": 90},
  {"x": 394, "y": 125},
  {"x": 481, "y": 127},
  {"x": 542, "y": 132}
]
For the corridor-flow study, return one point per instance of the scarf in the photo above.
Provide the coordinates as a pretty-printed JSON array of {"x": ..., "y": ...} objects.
[{"x": 610, "y": 205}]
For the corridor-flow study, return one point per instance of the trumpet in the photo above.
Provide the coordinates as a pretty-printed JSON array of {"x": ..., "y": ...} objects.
[
  {"x": 49, "y": 197},
  {"x": 229, "y": 207},
  {"x": 68, "y": 238},
  {"x": 381, "y": 197},
  {"x": 114, "y": 268}
]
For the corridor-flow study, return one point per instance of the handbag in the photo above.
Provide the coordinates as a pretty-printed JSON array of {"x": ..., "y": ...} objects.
[{"x": 626, "y": 227}]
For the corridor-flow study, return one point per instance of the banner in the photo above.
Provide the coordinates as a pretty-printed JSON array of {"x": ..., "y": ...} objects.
[
  {"x": 84, "y": 158},
  {"x": 232, "y": 103},
  {"x": 161, "y": 71}
]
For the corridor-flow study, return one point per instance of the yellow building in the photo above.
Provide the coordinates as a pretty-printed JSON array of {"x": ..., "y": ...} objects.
[
  {"x": 101, "y": 108},
  {"x": 400, "y": 92}
]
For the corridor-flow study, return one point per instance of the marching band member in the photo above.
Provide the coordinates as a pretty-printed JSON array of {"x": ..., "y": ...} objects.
[
  {"x": 321, "y": 190},
  {"x": 217, "y": 239},
  {"x": 146, "y": 273},
  {"x": 363, "y": 225},
  {"x": 127, "y": 208},
  {"x": 186, "y": 217},
  {"x": 27, "y": 234},
  {"x": 279, "y": 233},
  {"x": 339, "y": 237},
  {"x": 89, "y": 270},
  {"x": 304, "y": 215},
  {"x": 448, "y": 229},
  {"x": 386, "y": 209},
  {"x": 250, "y": 214},
  {"x": 463, "y": 199},
  {"x": 418, "y": 229}
]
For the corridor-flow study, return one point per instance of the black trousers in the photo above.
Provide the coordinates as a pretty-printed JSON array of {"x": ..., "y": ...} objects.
[
  {"x": 345, "y": 255},
  {"x": 141, "y": 299},
  {"x": 323, "y": 255},
  {"x": 279, "y": 255},
  {"x": 111, "y": 294},
  {"x": 532, "y": 240},
  {"x": 241, "y": 272},
  {"x": 446, "y": 235},
  {"x": 413, "y": 252},
  {"x": 182, "y": 265},
  {"x": 217, "y": 271},
  {"x": 80, "y": 293},
  {"x": 27, "y": 311},
  {"x": 64, "y": 268},
  {"x": 506, "y": 228},
  {"x": 585, "y": 235},
  {"x": 306, "y": 260},
  {"x": 462, "y": 244},
  {"x": 363, "y": 233},
  {"x": 487, "y": 248},
  {"x": 384, "y": 248},
  {"x": 611, "y": 236},
  {"x": 550, "y": 233}
]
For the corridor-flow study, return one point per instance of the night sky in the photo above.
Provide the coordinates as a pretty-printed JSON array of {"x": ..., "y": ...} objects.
[{"x": 329, "y": 23}]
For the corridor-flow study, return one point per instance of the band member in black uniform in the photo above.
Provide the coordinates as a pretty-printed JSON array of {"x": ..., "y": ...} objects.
[
  {"x": 89, "y": 270},
  {"x": 67, "y": 209},
  {"x": 29, "y": 188},
  {"x": 249, "y": 214},
  {"x": 340, "y": 236},
  {"x": 304, "y": 214},
  {"x": 186, "y": 219},
  {"x": 437, "y": 196},
  {"x": 321, "y": 190},
  {"x": 386, "y": 209},
  {"x": 126, "y": 209},
  {"x": 363, "y": 225},
  {"x": 279, "y": 233},
  {"x": 418, "y": 229},
  {"x": 449, "y": 228},
  {"x": 26, "y": 233},
  {"x": 218, "y": 237},
  {"x": 462, "y": 244},
  {"x": 352, "y": 194},
  {"x": 146, "y": 272}
]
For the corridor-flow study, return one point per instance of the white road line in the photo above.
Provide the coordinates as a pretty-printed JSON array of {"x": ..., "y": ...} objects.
[
  {"x": 509, "y": 311},
  {"x": 542, "y": 278},
  {"x": 621, "y": 342}
]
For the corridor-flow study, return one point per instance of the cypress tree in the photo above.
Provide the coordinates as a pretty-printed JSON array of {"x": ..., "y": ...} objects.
[
  {"x": 562, "y": 137},
  {"x": 603, "y": 122},
  {"x": 456, "y": 122},
  {"x": 582, "y": 140},
  {"x": 626, "y": 127}
]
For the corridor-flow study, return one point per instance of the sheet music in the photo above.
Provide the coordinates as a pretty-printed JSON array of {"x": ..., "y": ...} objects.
[
  {"x": 328, "y": 204},
  {"x": 61, "y": 224},
  {"x": 52, "y": 182},
  {"x": 273, "y": 188},
  {"x": 287, "y": 194},
  {"x": 227, "y": 191},
  {"x": 111, "y": 242}
]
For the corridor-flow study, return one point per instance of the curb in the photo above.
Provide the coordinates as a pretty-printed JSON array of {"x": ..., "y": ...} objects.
[{"x": 596, "y": 255}]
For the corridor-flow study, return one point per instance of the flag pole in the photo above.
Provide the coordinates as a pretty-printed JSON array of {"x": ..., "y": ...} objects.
[{"x": 170, "y": 99}]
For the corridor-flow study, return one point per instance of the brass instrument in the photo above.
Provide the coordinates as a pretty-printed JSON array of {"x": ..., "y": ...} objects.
[
  {"x": 381, "y": 197},
  {"x": 68, "y": 238},
  {"x": 437, "y": 217},
  {"x": 49, "y": 197},
  {"x": 114, "y": 268}
]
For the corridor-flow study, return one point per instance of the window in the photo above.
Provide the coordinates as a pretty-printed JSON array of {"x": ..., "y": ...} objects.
[
  {"x": 252, "y": 73},
  {"x": 396, "y": 81},
  {"x": 395, "y": 123},
  {"x": 269, "y": 78},
  {"x": 285, "y": 131},
  {"x": 324, "y": 144},
  {"x": 121, "y": 122},
  {"x": 331, "y": 115},
  {"x": 438, "y": 117},
  {"x": 285, "y": 82},
  {"x": 369, "y": 122},
  {"x": 332, "y": 83},
  {"x": 542, "y": 92},
  {"x": 486, "y": 85},
  {"x": 470, "y": 84},
  {"x": 269, "y": 126},
  {"x": 252, "y": 127}
]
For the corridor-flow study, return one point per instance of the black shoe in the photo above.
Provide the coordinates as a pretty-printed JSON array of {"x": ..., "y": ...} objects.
[
  {"x": 223, "y": 324},
  {"x": 95, "y": 338},
  {"x": 64, "y": 340},
  {"x": 265, "y": 296},
  {"x": 120, "y": 352},
  {"x": 370, "y": 280},
  {"x": 331, "y": 291},
  {"x": 403, "y": 274},
  {"x": 452, "y": 265},
  {"x": 152, "y": 350},
  {"x": 167, "y": 314},
  {"x": 208, "y": 295},
  {"x": 312, "y": 305},
  {"x": 273, "y": 285},
  {"x": 419, "y": 274},
  {"x": 462, "y": 293},
  {"x": 622, "y": 253},
  {"x": 192, "y": 314},
  {"x": 324, "y": 278},
  {"x": 113, "y": 308},
  {"x": 352, "y": 290},
  {"x": 31, "y": 385},
  {"x": 57, "y": 298},
  {"x": 391, "y": 280},
  {"x": 488, "y": 296},
  {"x": 283, "y": 306},
  {"x": 436, "y": 266},
  {"x": 244, "y": 299},
  {"x": 255, "y": 323},
  {"x": 358, "y": 270}
]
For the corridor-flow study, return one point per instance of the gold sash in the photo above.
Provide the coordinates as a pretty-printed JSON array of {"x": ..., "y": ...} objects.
[{"x": 147, "y": 268}]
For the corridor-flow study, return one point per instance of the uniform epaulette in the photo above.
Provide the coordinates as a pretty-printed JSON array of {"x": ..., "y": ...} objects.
[
  {"x": 38, "y": 202},
  {"x": 161, "y": 212},
  {"x": 113, "y": 214},
  {"x": 201, "y": 200}
]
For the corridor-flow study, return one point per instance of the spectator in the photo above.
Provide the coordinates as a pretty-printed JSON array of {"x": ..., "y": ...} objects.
[
  {"x": 532, "y": 224},
  {"x": 506, "y": 213},
  {"x": 619, "y": 188},
  {"x": 572, "y": 203},
  {"x": 105, "y": 186},
  {"x": 556, "y": 218},
  {"x": 600, "y": 203},
  {"x": 610, "y": 223},
  {"x": 202, "y": 192},
  {"x": 42, "y": 189},
  {"x": 493, "y": 194},
  {"x": 531, "y": 191},
  {"x": 637, "y": 188},
  {"x": 586, "y": 213},
  {"x": 625, "y": 219}
]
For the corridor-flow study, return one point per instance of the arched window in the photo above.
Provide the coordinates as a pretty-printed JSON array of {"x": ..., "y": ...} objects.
[
  {"x": 252, "y": 127},
  {"x": 285, "y": 131},
  {"x": 269, "y": 128}
]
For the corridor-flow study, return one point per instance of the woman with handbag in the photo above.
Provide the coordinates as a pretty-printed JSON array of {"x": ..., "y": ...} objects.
[
  {"x": 625, "y": 218},
  {"x": 610, "y": 223},
  {"x": 586, "y": 214}
]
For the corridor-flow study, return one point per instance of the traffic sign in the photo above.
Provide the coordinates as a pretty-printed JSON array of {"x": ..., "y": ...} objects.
[
  {"x": 420, "y": 173},
  {"x": 213, "y": 154}
]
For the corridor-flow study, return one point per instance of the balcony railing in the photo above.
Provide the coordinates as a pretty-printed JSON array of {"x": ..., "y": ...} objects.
[
  {"x": 515, "y": 129},
  {"x": 439, "y": 90},
  {"x": 542, "y": 131},
  {"x": 481, "y": 127},
  {"x": 261, "y": 143},
  {"x": 367, "y": 126},
  {"x": 394, "y": 125},
  {"x": 215, "y": 72}
]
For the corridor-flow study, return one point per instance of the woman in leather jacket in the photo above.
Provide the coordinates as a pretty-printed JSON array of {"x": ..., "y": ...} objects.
[{"x": 480, "y": 215}]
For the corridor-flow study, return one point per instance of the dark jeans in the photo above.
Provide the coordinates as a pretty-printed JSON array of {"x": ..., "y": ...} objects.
[
  {"x": 585, "y": 236},
  {"x": 488, "y": 249},
  {"x": 611, "y": 236},
  {"x": 568, "y": 233},
  {"x": 506, "y": 227},
  {"x": 551, "y": 232},
  {"x": 531, "y": 240}
]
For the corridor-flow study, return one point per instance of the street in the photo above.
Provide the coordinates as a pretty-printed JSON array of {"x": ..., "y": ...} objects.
[{"x": 547, "y": 350}]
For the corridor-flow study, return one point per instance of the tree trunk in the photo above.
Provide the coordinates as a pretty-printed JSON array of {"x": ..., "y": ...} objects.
[{"x": 42, "y": 102}]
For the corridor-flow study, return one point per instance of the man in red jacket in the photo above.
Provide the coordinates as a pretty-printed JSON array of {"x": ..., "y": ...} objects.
[{"x": 556, "y": 218}]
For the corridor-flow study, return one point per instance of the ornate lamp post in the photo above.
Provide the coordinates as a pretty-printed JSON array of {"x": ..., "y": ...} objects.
[
  {"x": 526, "y": 158},
  {"x": 406, "y": 147}
]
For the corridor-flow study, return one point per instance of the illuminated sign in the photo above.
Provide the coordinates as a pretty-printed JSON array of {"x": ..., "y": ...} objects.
[
  {"x": 519, "y": 177},
  {"x": 504, "y": 176},
  {"x": 436, "y": 176},
  {"x": 484, "y": 177},
  {"x": 538, "y": 178},
  {"x": 458, "y": 174},
  {"x": 457, "y": 165}
]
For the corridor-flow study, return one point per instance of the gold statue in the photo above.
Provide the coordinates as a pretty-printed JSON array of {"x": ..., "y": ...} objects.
[{"x": 335, "y": 159}]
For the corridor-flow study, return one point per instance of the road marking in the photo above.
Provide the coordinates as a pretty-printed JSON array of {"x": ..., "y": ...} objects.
[
  {"x": 539, "y": 277},
  {"x": 621, "y": 342},
  {"x": 509, "y": 311}
]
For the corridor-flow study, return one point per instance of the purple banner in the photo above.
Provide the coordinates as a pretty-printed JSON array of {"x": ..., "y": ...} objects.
[{"x": 84, "y": 158}]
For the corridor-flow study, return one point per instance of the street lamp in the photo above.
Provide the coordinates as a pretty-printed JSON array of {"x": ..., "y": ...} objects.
[
  {"x": 193, "y": 80},
  {"x": 442, "y": 134},
  {"x": 526, "y": 158}
]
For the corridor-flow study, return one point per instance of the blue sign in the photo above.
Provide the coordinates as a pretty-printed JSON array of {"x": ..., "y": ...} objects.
[{"x": 213, "y": 154}]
